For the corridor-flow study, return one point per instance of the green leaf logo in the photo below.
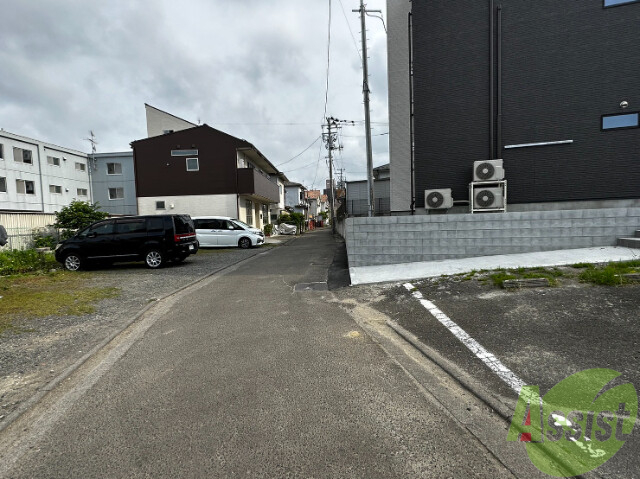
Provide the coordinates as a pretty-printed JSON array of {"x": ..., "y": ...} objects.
[{"x": 583, "y": 422}]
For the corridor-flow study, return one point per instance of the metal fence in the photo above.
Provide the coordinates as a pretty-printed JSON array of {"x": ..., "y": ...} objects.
[
  {"x": 21, "y": 228},
  {"x": 382, "y": 207}
]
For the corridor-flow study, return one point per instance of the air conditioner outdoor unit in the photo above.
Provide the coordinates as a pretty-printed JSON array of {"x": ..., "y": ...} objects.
[
  {"x": 488, "y": 198},
  {"x": 438, "y": 199},
  {"x": 488, "y": 170}
]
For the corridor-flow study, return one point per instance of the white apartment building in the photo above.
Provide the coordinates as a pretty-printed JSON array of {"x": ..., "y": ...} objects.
[{"x": 40, "y": 177}]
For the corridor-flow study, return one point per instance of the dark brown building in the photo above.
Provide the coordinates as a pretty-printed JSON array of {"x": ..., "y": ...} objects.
[{"x": 202, "y": 171}]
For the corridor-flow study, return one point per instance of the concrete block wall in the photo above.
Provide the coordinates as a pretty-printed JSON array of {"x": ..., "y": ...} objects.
[{"x": 407, "y": 239}]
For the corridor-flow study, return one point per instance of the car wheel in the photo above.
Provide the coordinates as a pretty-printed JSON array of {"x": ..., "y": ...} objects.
[
  {"x": 73, "y": 262},
  {"x": 244, "y": 243},
  {"x": 154, "y": 258}
]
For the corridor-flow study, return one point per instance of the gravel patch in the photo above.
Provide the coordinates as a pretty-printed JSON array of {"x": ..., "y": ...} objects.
[{"x": 29, "y": 360}]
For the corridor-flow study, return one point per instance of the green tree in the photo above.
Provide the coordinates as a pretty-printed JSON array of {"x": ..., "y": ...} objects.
[{"x": 78, "y": 215}]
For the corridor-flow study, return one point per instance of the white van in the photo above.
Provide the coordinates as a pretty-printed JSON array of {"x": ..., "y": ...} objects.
[{"x": 223, "y": 231}]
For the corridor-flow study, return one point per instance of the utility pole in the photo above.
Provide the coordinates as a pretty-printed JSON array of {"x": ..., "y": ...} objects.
[
  {"x": 329, "y": 138},
  {"x": 365, "y": 92}
]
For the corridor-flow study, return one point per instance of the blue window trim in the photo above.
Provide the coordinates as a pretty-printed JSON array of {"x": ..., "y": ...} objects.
[
  {"x": 637, "y": 125},
  {"x": 618, "y": 3}
]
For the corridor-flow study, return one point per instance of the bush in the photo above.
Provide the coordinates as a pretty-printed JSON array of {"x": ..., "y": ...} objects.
[
  {"x": 77, "y": 215},
  {"x": 44, "y": 239},
  {"x": 28, "y": 261},
  {"x": 268, "y": 229}
]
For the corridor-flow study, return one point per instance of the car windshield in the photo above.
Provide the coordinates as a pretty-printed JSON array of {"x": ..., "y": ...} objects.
[{"x": 242, "y": 224}]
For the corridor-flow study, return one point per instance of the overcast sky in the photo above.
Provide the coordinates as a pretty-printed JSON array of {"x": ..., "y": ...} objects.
[{"x": 255, "y": 69}]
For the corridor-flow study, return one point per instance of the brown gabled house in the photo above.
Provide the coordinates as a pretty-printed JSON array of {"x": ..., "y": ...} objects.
[{"x": 202, "y": 171}]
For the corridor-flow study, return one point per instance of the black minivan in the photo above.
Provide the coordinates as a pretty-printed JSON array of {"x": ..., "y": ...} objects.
[{"x": 152, "y": 239}]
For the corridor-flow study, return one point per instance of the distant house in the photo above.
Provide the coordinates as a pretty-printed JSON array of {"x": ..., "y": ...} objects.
[
  {"x": 276, "y": 209},
  {"x": 113, "y": 182},
  {"x": 358, "y": 193},
  {"x": 295, "y": 198},
  {"x": 36, "y": 176},
  {"x": 382, "y": 172},
  {"x": 203, "y": 171}
]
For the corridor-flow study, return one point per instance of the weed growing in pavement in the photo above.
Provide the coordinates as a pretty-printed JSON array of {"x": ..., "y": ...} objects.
[
  {"x": 55, "y": 294},
  {"x": 582, "y": 265},
  {"x": 611, "y": 274},
  {"x": 500, "y": 277}
]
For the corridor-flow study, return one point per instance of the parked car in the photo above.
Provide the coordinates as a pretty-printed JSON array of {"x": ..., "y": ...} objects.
[
  {"x": 223, "y": 231},
  {"x": 152, "y": 239}
]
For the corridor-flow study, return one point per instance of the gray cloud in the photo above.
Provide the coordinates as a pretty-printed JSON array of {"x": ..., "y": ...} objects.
[{"x": 252, "y": 68}]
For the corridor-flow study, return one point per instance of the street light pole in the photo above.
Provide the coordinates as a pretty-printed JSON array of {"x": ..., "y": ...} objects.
[{"x": 367, "y": 115}]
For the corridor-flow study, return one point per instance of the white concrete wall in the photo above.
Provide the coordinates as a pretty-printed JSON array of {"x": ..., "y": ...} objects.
[
  {"x": 158, "y": 121},
  {"x": 196, "y": 205},
  {"x": 406, "y": 239},
  {"x": 399, "y": 104},
  {"x": 42, "y": 174},
  {"x": 21, "y": 226}
]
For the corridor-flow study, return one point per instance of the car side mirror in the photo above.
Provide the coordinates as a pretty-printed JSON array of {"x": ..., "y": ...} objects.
[
  {"x": 231, "y": 227},
  {"x": 92, "y": 235}
]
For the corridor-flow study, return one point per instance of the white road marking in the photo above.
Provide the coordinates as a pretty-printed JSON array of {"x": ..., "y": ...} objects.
[{"x": 474, "y": 346}]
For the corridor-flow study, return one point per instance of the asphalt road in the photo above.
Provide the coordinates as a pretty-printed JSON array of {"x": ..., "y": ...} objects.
[{"x": 257, "y": 372}]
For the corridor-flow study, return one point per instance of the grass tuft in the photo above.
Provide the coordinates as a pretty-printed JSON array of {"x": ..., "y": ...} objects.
[
  {"x": 54, "y": 294},
  {"x": 611, "y": 274}
]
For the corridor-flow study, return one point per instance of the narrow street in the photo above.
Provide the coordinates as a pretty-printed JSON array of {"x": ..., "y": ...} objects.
[{"x": 256, "y": 372}]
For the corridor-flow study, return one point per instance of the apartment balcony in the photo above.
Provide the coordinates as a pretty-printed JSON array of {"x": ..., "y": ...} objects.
[{"x": 259, "y": 187}]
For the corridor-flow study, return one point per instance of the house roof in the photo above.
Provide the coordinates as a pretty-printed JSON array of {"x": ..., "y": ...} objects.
[{"x": 382, "y": 167}]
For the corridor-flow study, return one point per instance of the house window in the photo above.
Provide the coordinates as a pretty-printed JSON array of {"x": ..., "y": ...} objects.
[
  {"x": 249, "y": 206},
  {"x": 81, "y": 167},
  {"x": 184, "y": 152},
  {"x": 114, "y": 168},
  {"x": 1, "y": 151},
  {"x": 160, "y": 205},
  {"x": 116, "y": 193},
  {"x": 82, "y": 192},
  {"x": 22, "y": 156},
  {"x": 25, "y": 187},
  {"x": 55, "y": 189},
  {"x": 3, "y": 184},
  {"x": 53, "y": 160},
  {"x": 614, "y": 3},
  {"x": 192, "y": 164},
  {"x": 618, "y": 122}
]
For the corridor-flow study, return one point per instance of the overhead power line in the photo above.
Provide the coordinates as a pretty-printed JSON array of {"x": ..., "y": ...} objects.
[{"x": 299, "y": 154}]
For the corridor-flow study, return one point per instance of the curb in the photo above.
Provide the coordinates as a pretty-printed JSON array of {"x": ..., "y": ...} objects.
[
  {"x": 51, "y": 385},
  {"x": 486, "y": 398}
]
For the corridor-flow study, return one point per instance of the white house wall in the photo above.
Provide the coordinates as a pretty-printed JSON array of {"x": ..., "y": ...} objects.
[
  {"x": 42, "y": 175},
  {"x": 399, "y": 104},
  {"x": 196, "y": 205},
  {"x": 159, "y": 121}
]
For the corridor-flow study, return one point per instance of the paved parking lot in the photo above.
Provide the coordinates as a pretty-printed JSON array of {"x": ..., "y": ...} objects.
[
  {"x": 31, "y": 359},
  {"x": 542, "y": 335}
]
